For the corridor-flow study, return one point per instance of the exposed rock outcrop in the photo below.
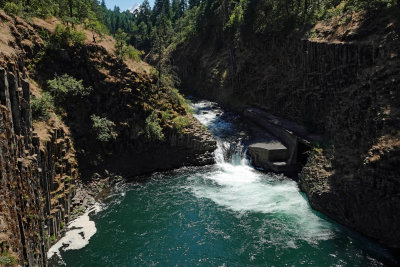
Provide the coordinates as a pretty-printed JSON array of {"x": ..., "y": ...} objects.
[
  {"x": 39, "y": 174},
  {"x": 37, "y": 177},
  {"x": 343, "y": 89},
  {"x": 127, "y": 99}
]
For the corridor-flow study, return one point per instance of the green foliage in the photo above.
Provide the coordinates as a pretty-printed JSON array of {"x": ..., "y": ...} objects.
[
  {"x": 179, "y": 100},
  {"x": 52, "y": 238},
  {"x": 185, "y": 27},
  {"x": 237, "y": 16},
  {"x": 96, "y": 28},
  {"x": 103, "y": 129},
  {"x": 133, "y": 53},
  {"x": 152, "y": 129},
  {"x": 120, "y": 44},
  {"x": 122, "y": 49},
  {"x": 7, "y": 259},
  {"x": 65, "y": 36},
  {"x": 166, "y": 116},
  {"x": 32, "y": 8},
  {"x": 41, "y": 107},
  {"x": 180, "y": 123},
  {"x": 66, "y": 90},
  {"x": 336, "y": 10},
  {"x": 12, "y": 9}
]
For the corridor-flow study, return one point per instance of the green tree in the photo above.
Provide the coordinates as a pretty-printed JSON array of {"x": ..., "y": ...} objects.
[
  {"x": 194, "y": 3},
  {"x": 122, "y": 49},
  {"x": 96, "y": 28},
  {"x": 182, "y": 6},
  {"x": 120, "y": 43},
  {"x": 176, "y": 10},
  {"x": 162, "y": 8},
  {"x": 161, "y": 38}
]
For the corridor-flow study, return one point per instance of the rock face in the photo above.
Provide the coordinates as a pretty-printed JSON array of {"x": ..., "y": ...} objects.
[
  {"x": 37, "y": 178},
  {"x": 127, "y": 99},
  {"x": 39, "y": 164},
  {"x": 345, "y": 91}
]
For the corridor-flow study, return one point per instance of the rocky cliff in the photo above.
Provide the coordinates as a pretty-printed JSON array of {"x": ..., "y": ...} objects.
[
  {"x": 341, "y": 83},
  {"x": 127, "y": 98},
  {"x": 42, "y": 162},
  {"x": 37, "y": 177}
]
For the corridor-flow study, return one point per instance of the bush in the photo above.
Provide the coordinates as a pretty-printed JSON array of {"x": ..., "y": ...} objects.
[
  {"x": 123, "y": 50},
  {"x": 65, "y": 36},
  {"x": 103, "y": 129},
  {"x": 153, "y": 130},
  {"x": 7, "y": 259},
  {"x": 180, "y": 123},
  {"x": 66, "y": 89},
  {"x": 179, "y": 100},
  {"x": 41, "y": 107},
  {"x": 12, "y": 8},
  {"x": 133, "y": 53}
]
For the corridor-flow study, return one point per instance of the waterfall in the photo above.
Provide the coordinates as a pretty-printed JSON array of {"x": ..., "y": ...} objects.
[
  {"x": 242, "y": 188},
  {"x": 192, "y": 216},
  {"x": 230, "y": 148}
]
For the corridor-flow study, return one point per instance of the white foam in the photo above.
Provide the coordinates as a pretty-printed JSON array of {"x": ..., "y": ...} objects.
[
  {"x": 243, "y": 189},
  {"x": 79, "y": 232}
]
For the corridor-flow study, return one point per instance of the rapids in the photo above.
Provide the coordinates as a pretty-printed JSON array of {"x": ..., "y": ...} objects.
[{"x": 228, "y": 214}]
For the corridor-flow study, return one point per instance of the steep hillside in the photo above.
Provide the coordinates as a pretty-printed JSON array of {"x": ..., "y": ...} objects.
[
  {"x": 339, "y": 79},
  {"x": 124, "y": 125}
]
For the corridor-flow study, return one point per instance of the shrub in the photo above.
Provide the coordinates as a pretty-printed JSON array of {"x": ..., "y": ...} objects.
[
  {"x": 180, "y": 123},
  {"x": 65, "y": 89},
  {"x": 153, "y": 130},
  {"x": 166, "y": 116},
  {"x": 41, "y": 107},
  {"x": 12, "y": 8},
  {"x": 133, "y": 53},
  {"x": 7, "y": 259},
  {"x": 103, "y": 129},
  {"x": 123, "y": 50},
  {"x": 179, "y": 100},
  {"x": 65, "y": 36}
]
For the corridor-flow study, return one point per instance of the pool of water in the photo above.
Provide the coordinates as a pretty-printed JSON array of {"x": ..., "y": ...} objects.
[{"x": 228, "y": 214}]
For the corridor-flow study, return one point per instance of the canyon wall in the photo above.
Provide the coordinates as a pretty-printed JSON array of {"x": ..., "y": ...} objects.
[
  {"x": 126, "y": 98},
  {"x": 43, "y": 164},
  {"x": 37, "y": 176},
  {"x": 345, "y": 90}
]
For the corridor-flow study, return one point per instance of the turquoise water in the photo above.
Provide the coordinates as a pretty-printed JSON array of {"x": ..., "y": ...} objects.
[{"x": 228, "y": 214}]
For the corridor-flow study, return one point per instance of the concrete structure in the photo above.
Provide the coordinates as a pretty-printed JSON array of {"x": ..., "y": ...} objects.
[{"x": 283, "y": 143}]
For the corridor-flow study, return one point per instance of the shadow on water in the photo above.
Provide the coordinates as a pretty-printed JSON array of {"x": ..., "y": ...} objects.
[{"x": 227, "y": 214}]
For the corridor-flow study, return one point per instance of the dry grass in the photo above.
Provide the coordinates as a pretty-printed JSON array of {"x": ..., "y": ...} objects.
[
  {"x": 7, "y": 41},
  {"x": 107, "y": 41},
  {"x": 48, "y": 24}
]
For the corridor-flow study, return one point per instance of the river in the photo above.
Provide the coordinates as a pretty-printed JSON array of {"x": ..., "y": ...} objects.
[{"x": 228, "y": 214}]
